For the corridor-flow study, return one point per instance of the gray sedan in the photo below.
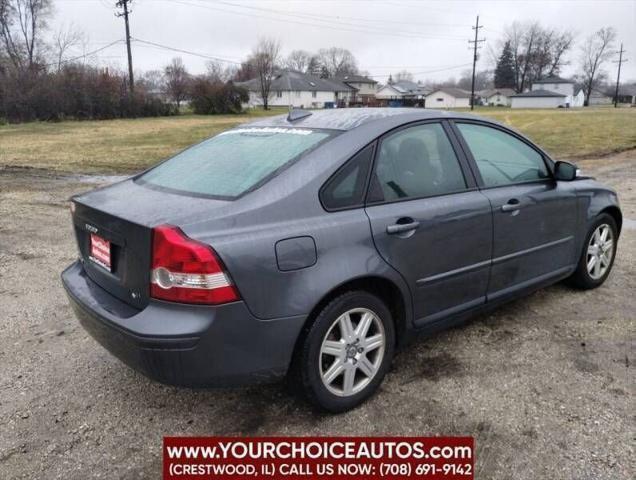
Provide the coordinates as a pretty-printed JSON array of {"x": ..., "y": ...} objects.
[{"x": 311, "y": 245}]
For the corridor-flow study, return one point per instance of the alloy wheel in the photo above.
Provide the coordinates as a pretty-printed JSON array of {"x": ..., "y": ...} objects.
[
  {"x": 352, "y": 351},
  {"x": 599, "y": 251}
]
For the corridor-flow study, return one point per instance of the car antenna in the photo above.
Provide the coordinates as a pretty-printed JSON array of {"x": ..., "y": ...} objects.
[
  {"x": 297, "y": 114},
  {"x": 294, "y": 113}
]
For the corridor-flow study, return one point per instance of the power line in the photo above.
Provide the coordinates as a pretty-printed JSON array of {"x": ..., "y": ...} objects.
[
  {"x": 330, "y": 26},
  {"x": 321, "y": 16},
  {"x": 187, "y": 52},
  {"x": 475, "y": 43},
  {"x": 424, "y": 72},
  {"x": 88, "y": 54},
  {"x": 221, "y": 59},
  {"x": 393, "y": 67}
]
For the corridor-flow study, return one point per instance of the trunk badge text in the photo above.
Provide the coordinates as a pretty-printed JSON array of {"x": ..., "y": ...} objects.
[{"x": 90, "y": 228}]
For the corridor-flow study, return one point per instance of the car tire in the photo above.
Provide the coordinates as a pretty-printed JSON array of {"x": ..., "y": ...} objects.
[
  {"x": 338, "y": 370},
  {"x": 586, "y": 277}
]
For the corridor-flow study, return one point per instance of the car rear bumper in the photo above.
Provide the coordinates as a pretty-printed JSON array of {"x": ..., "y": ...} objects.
[{"x": 186, "y": 345}]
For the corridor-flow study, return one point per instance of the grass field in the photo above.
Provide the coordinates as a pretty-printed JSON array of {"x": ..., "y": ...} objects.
[{"x": 111, "y": 146}]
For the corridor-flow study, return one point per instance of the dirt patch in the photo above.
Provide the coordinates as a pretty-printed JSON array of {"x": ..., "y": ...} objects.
[{"x": 550, "y": 375}]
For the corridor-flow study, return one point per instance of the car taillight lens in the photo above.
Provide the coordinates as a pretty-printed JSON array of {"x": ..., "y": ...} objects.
[{"x": 187, "y": 271}]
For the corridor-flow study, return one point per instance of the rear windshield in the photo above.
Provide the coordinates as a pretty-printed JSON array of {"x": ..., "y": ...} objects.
[{"x": 233, "y": 162}]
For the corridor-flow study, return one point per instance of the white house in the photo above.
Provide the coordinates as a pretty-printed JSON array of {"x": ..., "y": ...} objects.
[
  {"x": 562, "y": 86},
  {"x": 496, "y": 97},
  {"x": 448, "y": 98},
  {"x": 402, "y": 93},
  {"x": 555, "y": 84},
  {"x": 538, "y": 99},
  {"x": 599, "y": 98},
  {"x": 389, "y": 92},
  {"x": 299, "y": 90},
  {"x": 364, "y": 88}
]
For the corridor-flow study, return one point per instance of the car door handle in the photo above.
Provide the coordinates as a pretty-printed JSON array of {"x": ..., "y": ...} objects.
[
  {"x": 512, "y": 205},
  {"x": 402, "y": 227}
]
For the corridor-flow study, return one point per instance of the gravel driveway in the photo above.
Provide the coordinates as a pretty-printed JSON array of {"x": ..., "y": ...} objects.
[{"x": 545, "y": 384}]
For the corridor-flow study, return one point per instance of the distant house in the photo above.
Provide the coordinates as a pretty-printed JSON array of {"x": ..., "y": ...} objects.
[
  {"x": 364, "y": 88},
  {"x": 563, "y": 86},
  {"x": 402, "y": 93},
  {"x": 496, "y": 97},
  {"x": 555, "y": 84},
  {"x": 448, "y": 97},
  {"x": 600, "y": 98},
  {"x": 538, "y": 99},
  {"x": 300, "y": 90},
  {"x": 551, "y": 92},
  {"x": 627, "y": 94}
]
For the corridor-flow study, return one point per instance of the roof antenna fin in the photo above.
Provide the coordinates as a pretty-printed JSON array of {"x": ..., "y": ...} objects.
[{"x": 297, "y": 114}]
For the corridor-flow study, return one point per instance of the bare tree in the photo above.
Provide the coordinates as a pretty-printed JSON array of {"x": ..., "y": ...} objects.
[
  {"x": 265, "y": 59},
  {"x": 537, "y": 52},
  {"x": 245, "y": 71},
  {"x": 214, "y": 71},
  {"x": 404, "y": 75},
  {"x": 596, "y": 50},
  {"x": 176, "y": 80},
  {"x": 338, "y": 61},
  {"x": 548, "y": 56},
  {"x": 152, "y": 81},
  {"x": 483, "y": 80},
  {"x": 561, "y": 44},
  {"x": 21, "y": 25},
  {"x": 217, "y": 72},
  {"x": 525, "y": 56},
  {"x": 298, "y": 60},
  {"x": 66, "y": 39}
]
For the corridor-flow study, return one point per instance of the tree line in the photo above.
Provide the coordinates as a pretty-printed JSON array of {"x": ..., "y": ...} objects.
[
  {"x": 40, "y": 79},
  {"x": 531, "y": 52}
]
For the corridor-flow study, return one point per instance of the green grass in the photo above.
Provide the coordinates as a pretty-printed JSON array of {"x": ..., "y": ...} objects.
[{"x": 130, "y": 145}]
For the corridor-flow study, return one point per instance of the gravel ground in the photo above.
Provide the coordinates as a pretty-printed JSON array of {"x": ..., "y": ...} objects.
[{"x": 545, "y": 384}]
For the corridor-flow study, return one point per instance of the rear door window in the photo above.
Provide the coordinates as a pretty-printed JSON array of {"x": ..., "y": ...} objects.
[
  {"x": 234, "y": 162},
  {"x": 416, "y": 162}
]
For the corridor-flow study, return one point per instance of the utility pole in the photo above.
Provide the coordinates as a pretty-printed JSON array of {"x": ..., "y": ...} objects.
[
  {"x": 618, "y": 77},
  {"x": 475, "y": 43},
  {"x": 124, "y": 5}
]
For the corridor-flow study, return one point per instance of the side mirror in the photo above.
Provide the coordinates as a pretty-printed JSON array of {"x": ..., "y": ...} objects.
[{"x": 565, "y": 171}]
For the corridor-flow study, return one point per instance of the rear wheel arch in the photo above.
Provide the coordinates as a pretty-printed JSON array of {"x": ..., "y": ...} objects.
[{"x": 382, "y": 287}]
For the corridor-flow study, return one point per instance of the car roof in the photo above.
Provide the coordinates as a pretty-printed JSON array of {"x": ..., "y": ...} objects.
[{"x": 350, "y": 118}]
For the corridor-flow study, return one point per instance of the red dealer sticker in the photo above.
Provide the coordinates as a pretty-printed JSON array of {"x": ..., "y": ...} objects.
[
  {"x": 308, "y": 457},
  {"x": 100, "y": 251}
]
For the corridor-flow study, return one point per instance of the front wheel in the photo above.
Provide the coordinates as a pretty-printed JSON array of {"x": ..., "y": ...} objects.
[
  {"x": 599, "y": 251},
  {"x": 347, "y": 351}
]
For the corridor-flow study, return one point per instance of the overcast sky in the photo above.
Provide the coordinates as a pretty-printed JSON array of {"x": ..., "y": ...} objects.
[{"x": 428, "y": 38}]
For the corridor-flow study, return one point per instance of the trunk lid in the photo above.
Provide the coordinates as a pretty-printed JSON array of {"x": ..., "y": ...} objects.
[{"x": 124, "y": 215}]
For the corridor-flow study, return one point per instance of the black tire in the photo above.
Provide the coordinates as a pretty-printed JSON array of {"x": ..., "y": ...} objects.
[
  {"x": 581, "y": 278},
  {"x": 308, "y": 360}
]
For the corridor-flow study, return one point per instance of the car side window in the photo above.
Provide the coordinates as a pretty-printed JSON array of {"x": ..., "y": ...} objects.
[
  {"x": 347, "y": 188},
  {"x": 416, "y": 162},
  {"x": 501, "y": 158}
]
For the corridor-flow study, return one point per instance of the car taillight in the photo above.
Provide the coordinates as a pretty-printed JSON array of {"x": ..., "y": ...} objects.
[{"x": 187, "y": 271}]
